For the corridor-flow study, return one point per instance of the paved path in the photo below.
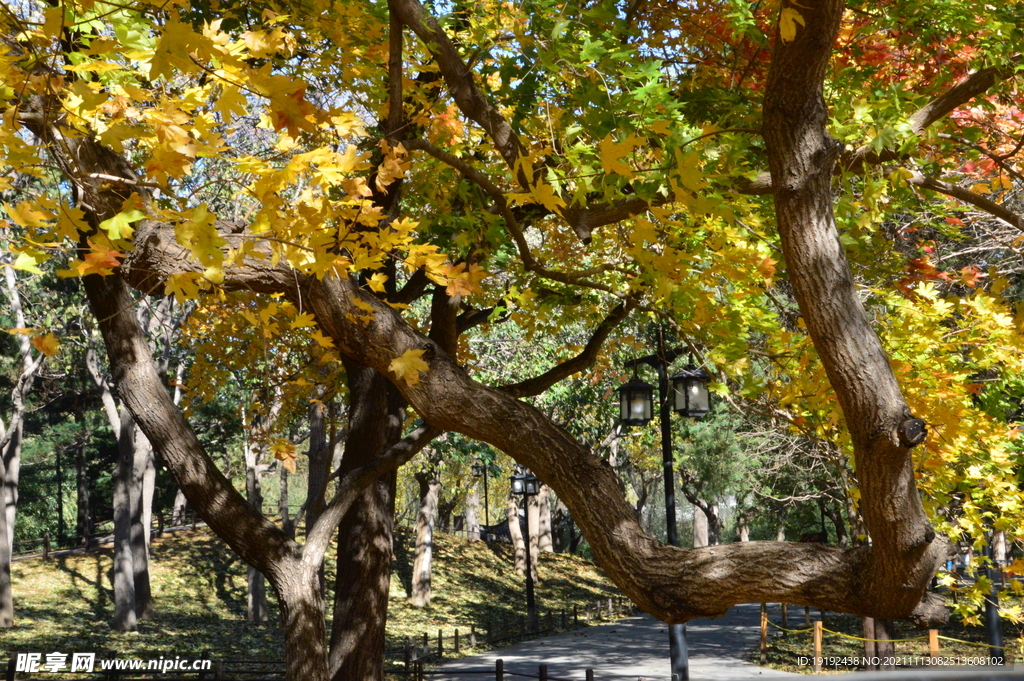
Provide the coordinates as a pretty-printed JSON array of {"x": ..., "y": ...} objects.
[{"x": 633, "y": 648}]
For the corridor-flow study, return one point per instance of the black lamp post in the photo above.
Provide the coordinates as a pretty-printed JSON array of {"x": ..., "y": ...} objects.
[
  {"x": 993, "y": 627},
  {"x": 480, "y": 470},
  {"x": 689, "y": 398},
  {"x": 526, "y": 486}
]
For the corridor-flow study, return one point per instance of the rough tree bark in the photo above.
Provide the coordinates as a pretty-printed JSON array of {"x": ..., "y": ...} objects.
[
  {"x": 376, "y": 414},
  {"x": 430, "y": 492}
]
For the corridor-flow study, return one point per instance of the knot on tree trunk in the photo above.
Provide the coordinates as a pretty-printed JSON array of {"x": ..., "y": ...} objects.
[{"x": 911, "y": 432}]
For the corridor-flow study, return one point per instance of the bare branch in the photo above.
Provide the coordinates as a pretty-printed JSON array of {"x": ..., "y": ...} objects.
[
  {"x": 967, "y": 196},
  {"x": 538, "y": 384}
]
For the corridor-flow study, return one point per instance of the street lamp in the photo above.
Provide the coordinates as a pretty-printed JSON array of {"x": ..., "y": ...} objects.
[
  {"x": 689, "y": 397},
  {"x": 526, "y": 486},
  {"x": 993, "y": 627},
  {"x": 480, "y": 470}
]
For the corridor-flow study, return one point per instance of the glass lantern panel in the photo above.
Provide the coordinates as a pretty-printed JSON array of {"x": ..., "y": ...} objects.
[
  {"x": 517, "y": 485},
  {"x": 700, "y": 399}
]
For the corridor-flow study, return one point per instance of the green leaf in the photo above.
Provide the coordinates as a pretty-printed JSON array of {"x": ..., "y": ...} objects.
[{"x": 119, "y": 226}]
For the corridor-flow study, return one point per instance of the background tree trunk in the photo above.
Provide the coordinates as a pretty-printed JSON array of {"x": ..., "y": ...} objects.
[
  {"x": 700, "y": 528},
  {"x": 515, "y": 530},
  {"x": 82, "y": 525},
  {"x": 472, "y": 516},
  {"x": 376, "y": 415},
  {"x": 320, "y": 463},
  {"x": 124, "y": 575},
  {"x": 142, "y": 464},
  {"x": 544, "y": 540},
  {"x": 6, "y": 593},
  {"x": 256, "y": 604},
  {"x": 884, "y": 647},
  {"x": 430, "y": 491},
  {"x": 870, "y": 648}
]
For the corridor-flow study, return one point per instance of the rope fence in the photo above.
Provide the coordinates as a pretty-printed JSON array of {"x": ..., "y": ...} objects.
[{"x": 817, "y": 631}]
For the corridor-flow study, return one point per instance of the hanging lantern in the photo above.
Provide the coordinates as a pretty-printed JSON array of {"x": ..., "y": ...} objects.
[
  {"x": 636, "y": 403},
  {"x": 690, "y": 396}
]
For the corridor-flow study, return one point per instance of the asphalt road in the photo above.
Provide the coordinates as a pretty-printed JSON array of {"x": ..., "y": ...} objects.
[{"x": 630, "y": 649}]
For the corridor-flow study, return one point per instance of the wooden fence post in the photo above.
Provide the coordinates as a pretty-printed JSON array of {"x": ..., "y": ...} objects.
[
  {"x": 218, "y": 670},
  {"x": 456, "y": 641},
  {"x": 563, "y": 618},
  {"x": 764, "y": 633},
  {"x": 46, "y": 545},
  {"x": 440, "y": 644},
  {"x": 193, "y": 519},
  {"x": 408, "y": 652},
  {"x": 542, "y": 673},
  {"x": 817, "y": 647},
  {"x": 11, "y": 666},
  {"x": 807, "y": 615},
  {"x": 575, "y": 615},
  {"x": 472, "y": 636},
  {"x": 590, "y": 675},
  {"x": 551, "y": 624},
  {"x": 499, "y": 670},
  {"x": 426, "y": 646},
  {"x": 933, "y": 643},
  {"x": 785, "y": 618}
]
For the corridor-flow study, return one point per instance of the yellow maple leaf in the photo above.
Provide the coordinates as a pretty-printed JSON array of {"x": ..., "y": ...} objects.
[
  {"x": 408, "y": 366},
  {"x": 545, "y": 195},
  {"x": 376, "y": 282},
  {"x": 613, "y": 152},
  {"x": 182, "y": 285},
  {"x": 284, "y": 451},
  {"x": 26, "y": 215},
  {"x": 48, "y": 344},
  {"x": 788, "y": 20},
  {"x": 322, "y": 340},
  {"x": 303, "y": 320}
]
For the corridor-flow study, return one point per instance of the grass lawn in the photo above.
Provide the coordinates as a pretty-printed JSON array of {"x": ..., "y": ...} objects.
[{"x": 65, "y": 604}]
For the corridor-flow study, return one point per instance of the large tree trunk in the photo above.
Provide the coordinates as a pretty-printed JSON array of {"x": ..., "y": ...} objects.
[
  {"x": 142, "y": 462},
  {"x": 376, "y": 415},
  {"x": 802, "y": 157},
  {"x": 430, "y": 491},
  {"x": 124, "y": 576}
]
